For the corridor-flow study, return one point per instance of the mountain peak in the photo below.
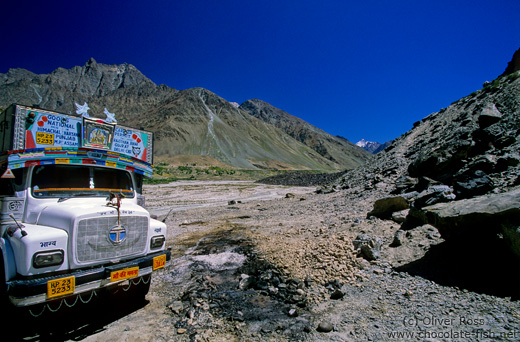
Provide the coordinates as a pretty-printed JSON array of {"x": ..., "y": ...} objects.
[
  {"x": 90, "y": 62},
  {"x": 372, "y": 146},
  {"x": 513, "y": 65},
  {"x": 62, "y": 87}
]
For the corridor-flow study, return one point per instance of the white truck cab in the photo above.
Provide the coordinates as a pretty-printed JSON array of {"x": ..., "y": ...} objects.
[{"x": 72, "y": 216}]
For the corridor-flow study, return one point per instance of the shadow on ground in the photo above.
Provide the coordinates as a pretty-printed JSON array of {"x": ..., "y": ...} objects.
[
  {"x": 68, "y": 323},
  {"x": 482, "y": 267}
]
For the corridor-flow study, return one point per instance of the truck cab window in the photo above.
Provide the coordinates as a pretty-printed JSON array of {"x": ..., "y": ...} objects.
[{"x": 72, "y": 181}]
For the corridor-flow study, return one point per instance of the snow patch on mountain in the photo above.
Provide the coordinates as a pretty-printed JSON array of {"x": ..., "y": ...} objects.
[{"x": 372, "y": 146}]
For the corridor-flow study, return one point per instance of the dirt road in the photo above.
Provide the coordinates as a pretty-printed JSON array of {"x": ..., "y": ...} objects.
[{"x": 254, "y": 262}]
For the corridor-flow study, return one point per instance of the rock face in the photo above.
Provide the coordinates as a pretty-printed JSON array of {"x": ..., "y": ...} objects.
[
  {"x": 198, "y": 122},
  {"x": 61, "y": 88},
  {"x": 486, "y": 217},
  {"x": 335, "y": 149},
  {"x": 456, "y": 168}
]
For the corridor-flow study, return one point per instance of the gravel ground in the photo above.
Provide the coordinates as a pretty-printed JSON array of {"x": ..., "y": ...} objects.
[{"x": 256, "y": 262}]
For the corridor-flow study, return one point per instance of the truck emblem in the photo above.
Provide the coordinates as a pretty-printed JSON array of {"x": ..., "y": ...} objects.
[
  {"x": 15, "y": 205},
  {"x": 117, "y": 234}
]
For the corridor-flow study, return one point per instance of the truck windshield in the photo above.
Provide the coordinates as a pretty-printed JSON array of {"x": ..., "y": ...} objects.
[{"x": 66, "y": 181}]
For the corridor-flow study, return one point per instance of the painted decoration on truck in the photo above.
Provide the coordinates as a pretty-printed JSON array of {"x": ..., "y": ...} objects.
[
  {"x": 52, "y": 130},
  {"x": 45, "y": 130},
  {"x": 76, "y": 157},
  {"x": 130, "y": 142},
  {"x": 97, "y": 134}
]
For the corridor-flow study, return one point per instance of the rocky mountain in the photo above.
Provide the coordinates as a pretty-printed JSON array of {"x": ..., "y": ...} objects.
[
  {"x": 61, "y": 88},
  {"x": 189, "y": 122},
  {"x": 457, "y": 169},
  {"x": 198, "y": 122},
  {"x": 339, "y": 151},
  {"x": 372, "y": 146}
]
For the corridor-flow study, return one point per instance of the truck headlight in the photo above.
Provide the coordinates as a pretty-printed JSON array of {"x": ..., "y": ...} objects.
[
  {"x": 157, "y": 241},
  {"x": 48, "y": 258}
]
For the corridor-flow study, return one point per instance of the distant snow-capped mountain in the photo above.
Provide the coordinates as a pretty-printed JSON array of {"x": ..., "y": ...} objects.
[{"x": 372, "y": 146}]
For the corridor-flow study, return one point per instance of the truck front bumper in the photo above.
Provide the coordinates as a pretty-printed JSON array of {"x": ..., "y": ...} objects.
[{"x": 34, "y": 291}]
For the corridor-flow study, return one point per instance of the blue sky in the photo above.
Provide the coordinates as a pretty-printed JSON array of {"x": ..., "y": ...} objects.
[{"x": 365, "y": 69}]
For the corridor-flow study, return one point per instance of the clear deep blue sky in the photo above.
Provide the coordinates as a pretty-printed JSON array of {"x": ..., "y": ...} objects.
[{"x": 360, "y": 69}]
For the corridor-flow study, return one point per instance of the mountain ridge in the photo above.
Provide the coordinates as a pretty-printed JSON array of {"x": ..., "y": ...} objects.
[
  {"x": 191, "y": 121},
  {"x": 325, "y": 144}
]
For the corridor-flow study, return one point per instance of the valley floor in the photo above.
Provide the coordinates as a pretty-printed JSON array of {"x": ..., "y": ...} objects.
[{"x": 254, "y": 262}]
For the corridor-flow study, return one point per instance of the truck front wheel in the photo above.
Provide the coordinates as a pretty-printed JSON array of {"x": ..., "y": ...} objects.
[{"x": 3, "y": 286}]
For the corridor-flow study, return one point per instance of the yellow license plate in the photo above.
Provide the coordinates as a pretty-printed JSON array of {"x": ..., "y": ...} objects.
[
  {"x": 159, "y": 261},
  {"x": 123, "y": 274},
  {"x": 60, "y": 287}
]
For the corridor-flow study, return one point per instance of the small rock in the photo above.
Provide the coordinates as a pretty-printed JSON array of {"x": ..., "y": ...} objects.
[
  {"x": 308, "y": 282},
  {"x": 325, "y": 327},
  {"x": 398, "y": 238},
  {"x": 293, "y": 313},
  {"x": 176, "y": 307},
  {"x": 489, "y": 115},
  {"x": 369, "y": 247},
  {"x": 400, "y": 216},
  {"x": 338, "y": 294},
  {"x": 246, "y": 282},
  {"x": 181, "y": 331}
]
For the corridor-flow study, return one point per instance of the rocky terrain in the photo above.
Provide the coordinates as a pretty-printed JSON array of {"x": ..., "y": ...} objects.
[
  {"x": 456, "y": 169},
  {"x": 420, "y": 244},
  {"x": 257, "y": 262}
]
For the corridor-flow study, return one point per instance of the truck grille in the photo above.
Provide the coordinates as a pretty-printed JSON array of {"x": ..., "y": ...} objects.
[{"x": 93, "y": 244}]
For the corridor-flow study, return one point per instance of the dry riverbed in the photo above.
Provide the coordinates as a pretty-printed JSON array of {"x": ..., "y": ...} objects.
[{"x": 255, "y": 262}]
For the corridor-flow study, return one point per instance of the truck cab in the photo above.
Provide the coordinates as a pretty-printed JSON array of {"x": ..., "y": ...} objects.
[{"x": 72, "y": 215}]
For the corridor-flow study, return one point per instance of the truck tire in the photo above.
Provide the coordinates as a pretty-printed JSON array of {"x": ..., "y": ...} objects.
[
  {"x": 5, "y": 303},
  {"x": 3, "y": 286}
]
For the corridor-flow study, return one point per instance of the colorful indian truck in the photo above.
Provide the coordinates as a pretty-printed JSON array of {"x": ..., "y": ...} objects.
[{"x": 72, "y": 215}]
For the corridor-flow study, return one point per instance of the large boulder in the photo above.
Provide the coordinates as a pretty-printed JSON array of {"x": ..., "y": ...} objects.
[
  {"x": 492, "y": 215},
  {"x": 384, "y": 207},
  {"x": 489, "y": 115},
  {"x": 434, "y": 194}
]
